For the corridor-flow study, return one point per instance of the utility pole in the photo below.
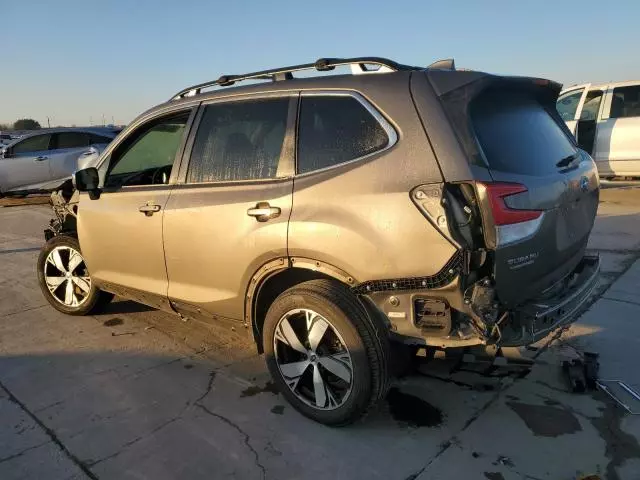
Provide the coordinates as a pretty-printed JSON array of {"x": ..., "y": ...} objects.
[
  {"x": 103, "y": 119},
  {"x": 48, "y": 123},
  {"x": 90, "y": 120}
]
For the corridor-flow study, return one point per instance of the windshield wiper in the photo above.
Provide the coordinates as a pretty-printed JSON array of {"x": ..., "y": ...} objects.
[{"x": 566, "y": 161}]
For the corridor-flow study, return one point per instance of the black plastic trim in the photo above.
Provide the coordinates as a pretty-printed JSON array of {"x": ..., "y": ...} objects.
[{"x": 452, "y": 268}]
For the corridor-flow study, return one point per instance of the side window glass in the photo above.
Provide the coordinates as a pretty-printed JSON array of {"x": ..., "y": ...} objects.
[
  {"x": 71, "y": 140},
  {"x": 37, "y": 143},
  {"x": 567, "y": 104},
  {"x": 98, "y": 139},
  {"x": 625, "y": 102},
  {"x": 239, "y": 141},
  {"x": 146, "y": 157},
  {"x": 591, "y": 105},
  {"x": 336, "y": 129}
]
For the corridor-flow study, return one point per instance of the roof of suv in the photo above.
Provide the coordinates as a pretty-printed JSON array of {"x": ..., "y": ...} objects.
[{"x": 282, "y": 79}]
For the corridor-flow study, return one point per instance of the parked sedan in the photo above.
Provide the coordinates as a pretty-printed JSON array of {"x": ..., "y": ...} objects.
[
  {"x": 46, "y": 159},
  {"x": 5, "y": 139},
  {"x": 605, "y": 120}
]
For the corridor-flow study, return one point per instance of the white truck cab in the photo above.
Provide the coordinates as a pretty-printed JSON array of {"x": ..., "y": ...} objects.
[{"x": 605, "y": 119}]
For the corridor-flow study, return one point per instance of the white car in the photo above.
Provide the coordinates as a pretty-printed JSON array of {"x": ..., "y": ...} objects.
[
  {"x": 45, "y": 159},
  {"x": 605, "y": 120}
]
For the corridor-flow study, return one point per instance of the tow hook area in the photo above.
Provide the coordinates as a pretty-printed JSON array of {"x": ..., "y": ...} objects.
[{"x": 485, "y": 311}]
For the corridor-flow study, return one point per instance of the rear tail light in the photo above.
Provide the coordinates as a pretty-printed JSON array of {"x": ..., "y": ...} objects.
[
  {"x": 511, "y": 225},
  {"x": 502, "y": 213}
]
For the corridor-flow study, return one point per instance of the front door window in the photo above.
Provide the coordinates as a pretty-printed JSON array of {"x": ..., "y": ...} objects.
[
  {"x": 37, "y": 143},
  {"x": 567, "y": 104},
  {"x": 147, "y": 156}
]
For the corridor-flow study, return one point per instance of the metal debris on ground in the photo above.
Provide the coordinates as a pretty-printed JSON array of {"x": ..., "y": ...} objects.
[
  {"x": 623, "y": 394},
  {"x": 582, "y": 373}
]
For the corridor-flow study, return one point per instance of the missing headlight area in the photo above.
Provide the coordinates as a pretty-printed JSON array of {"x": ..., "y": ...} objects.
[{"x": 64, "y": 203}]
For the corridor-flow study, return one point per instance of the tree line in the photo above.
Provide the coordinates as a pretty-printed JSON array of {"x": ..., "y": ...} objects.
[{"x": 21, "y": 124}]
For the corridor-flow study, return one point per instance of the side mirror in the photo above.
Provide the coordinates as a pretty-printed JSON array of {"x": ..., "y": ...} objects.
[{"x": 87, "y": 180}]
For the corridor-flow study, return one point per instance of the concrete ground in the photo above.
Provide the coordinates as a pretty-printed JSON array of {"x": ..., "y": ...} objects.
[{"x": 136, "y": 393}]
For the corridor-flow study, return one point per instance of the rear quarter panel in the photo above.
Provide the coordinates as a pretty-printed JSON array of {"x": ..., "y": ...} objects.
[{"x": 359, "y": 216}]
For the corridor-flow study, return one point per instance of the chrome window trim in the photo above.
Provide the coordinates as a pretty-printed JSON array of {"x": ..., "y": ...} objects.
[{"x": 392, "y": 134}]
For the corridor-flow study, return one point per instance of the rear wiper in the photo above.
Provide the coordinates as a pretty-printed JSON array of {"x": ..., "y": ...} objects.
[{"x": 566, "y": 161}]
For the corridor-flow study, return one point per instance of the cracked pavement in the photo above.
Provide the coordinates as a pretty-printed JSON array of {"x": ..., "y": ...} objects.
[{"x": 136, "y": 393}]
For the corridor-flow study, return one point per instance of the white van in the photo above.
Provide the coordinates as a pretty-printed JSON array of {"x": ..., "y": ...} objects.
[{"x": 605, "y": 119}]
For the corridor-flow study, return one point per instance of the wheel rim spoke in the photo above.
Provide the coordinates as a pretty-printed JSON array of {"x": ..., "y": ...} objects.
[
  {"x": 69, "y": 295},
  {"x": 288, "y": 336},
  {"x": 339, "y": 365},
  {"x": 319, "y": 387},
  {"x": 56, "y": 260},
  {"x": 82, "y": 283},
  {"x": 293, "y": 372},
  {"x": 317, "y": 327},
  {"x": 75, "y": 259},
  {"x": 54, "y": 282}
]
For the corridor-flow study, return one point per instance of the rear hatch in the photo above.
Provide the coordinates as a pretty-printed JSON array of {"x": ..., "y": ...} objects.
[{"x": 539, "y": 208}]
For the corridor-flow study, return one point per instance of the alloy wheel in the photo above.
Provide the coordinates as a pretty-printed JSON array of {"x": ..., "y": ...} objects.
[
  {"x": 66, "y": 276},
  {"x": 313, "y": 359}
]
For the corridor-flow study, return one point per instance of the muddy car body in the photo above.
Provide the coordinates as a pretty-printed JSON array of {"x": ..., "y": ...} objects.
[{"x": 337, "y": 217}]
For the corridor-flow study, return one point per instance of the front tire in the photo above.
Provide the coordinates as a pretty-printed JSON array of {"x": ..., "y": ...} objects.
[
  {"x": 326, "y": 356},
  {"x": 65, "y": 281}
]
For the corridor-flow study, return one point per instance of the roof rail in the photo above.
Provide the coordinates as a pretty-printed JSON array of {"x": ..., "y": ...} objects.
[{"x": 286, "y": 73}]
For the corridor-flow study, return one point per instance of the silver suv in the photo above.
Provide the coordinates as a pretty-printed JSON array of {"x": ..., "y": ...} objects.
[{"x": 337, "y": 218}]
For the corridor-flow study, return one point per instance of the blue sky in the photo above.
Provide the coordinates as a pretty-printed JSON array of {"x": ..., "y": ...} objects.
[{"x": 76, "y": 60}]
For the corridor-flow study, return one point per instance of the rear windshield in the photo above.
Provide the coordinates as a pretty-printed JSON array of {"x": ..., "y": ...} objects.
[{"x": 517, "y": 134}]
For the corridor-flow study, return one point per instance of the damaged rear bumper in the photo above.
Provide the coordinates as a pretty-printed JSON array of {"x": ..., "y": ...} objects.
[{"x": 538, "y": 318}]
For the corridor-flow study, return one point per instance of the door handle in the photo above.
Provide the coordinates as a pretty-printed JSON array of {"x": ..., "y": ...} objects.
[
  {"x": 149, "y": 209},
  {"x": 264, "y": 212},
  {"x": 41, "y": 158}
]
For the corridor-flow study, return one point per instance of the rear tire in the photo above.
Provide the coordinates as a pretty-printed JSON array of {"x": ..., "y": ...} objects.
[
  {"x": 326, "y": 356},
  {"x": 65, "y": 281}
]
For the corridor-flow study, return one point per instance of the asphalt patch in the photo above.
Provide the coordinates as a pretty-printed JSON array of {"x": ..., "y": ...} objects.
[
  {"x": 412, "y": 410},
  {"x": 113, "y": 322},
  {"x": 493, "y": 475},
  {"x": 546, "y": 420}
]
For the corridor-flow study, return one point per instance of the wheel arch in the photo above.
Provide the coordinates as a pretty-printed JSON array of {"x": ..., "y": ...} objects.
[{"x": 278, "y": 275}]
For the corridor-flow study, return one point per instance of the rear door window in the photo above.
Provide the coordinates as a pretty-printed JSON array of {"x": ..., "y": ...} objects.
[
  {"x": 567, "y": 104},
  {"x": 334, "y": 130},
  {"x": 519, "y": 135},
  {"x": 98, "y": 139},
  {"x": 70, "y": 140},
  {"x": 625, "y": 102},
  {"x": 239, "y": 141}
]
